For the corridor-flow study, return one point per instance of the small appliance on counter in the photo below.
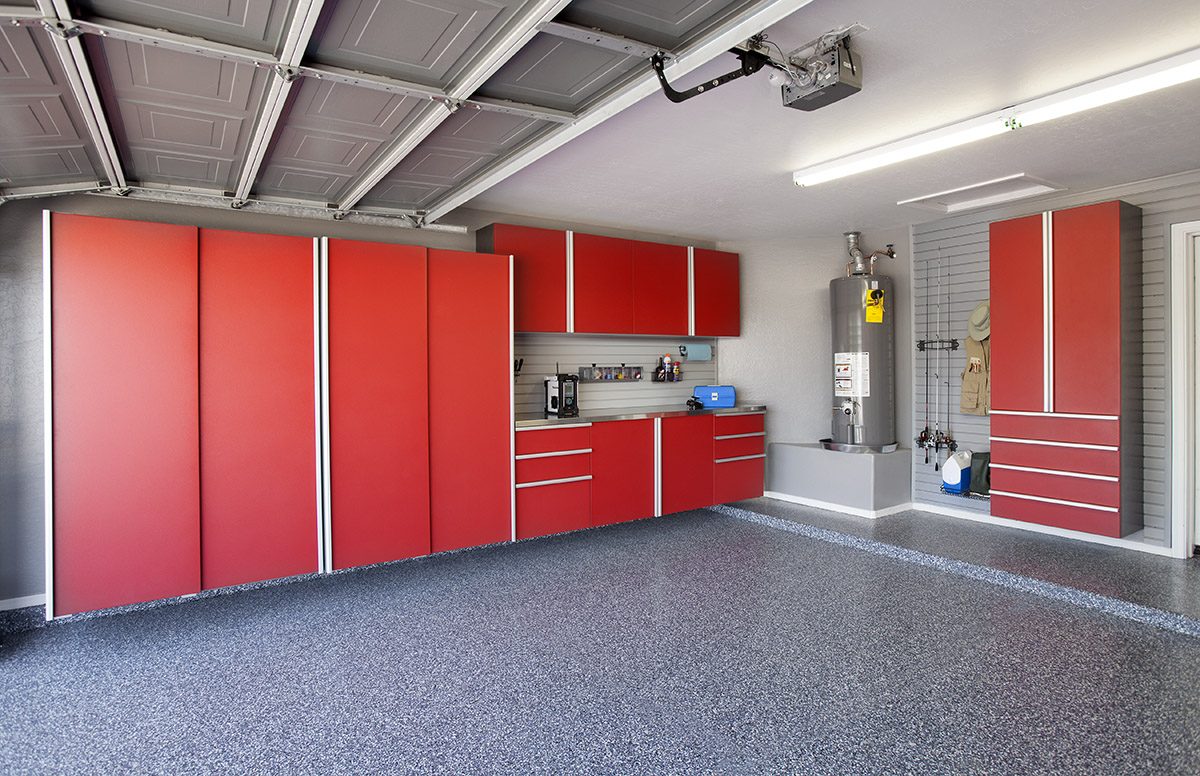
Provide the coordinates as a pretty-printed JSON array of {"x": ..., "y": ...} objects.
[
  {"x": 713, "y": 397},
  {"x": 562, "y": 396}
]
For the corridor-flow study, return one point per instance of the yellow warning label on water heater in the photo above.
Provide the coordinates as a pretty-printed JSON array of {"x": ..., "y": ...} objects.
[{"x": 873, "y": 304}]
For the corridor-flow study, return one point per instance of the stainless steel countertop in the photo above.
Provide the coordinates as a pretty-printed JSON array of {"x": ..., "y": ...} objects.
[{"x": 631, "y": 413}]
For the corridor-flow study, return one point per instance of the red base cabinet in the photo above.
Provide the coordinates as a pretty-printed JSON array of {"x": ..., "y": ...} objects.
[
  {"x": 258, "y": 472},
  {"x": 687, "y": 463},
  {"x": 553, "y": 476},
  {"x": 378, "y": 403},
  {"x": 739, "y": 457},
  {"x": 622, "y": 471},
  {"x": 470, "y": 399},
  {"x": 1066, "y": 369},
  {"x": 125, "y": 412}
]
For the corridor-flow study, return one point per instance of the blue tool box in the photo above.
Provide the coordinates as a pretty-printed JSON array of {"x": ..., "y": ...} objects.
[{"x": 715, "y": 396}]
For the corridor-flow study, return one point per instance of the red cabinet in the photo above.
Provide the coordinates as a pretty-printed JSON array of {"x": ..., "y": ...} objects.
[
  {"x": 126, "y": 510},
  {"x": 603, "y": 284},
  {"x": 739, "y": 457},
  {"x": 470, "y": 399},
  {"x": 660, "y": 289},
  {"x": 687, "y": 463},
  {"x": 622, "y": 471},
  {"x": 1087, "y": 294},
  {"x": 1017, "y": 311},
  {"x": 378, "y": 403},
  {"x": 258, "y": 466},
  {"x": 1066, "y": 368},
  {"x": 616, "y": 286},
  {"x": 539, "y": 273},
  {"x": 717, "y": 292},
  {"x": 553, "y": 480}
]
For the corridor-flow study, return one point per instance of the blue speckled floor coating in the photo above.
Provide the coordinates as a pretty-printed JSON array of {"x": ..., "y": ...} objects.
[{"x": 697, "y": 643}]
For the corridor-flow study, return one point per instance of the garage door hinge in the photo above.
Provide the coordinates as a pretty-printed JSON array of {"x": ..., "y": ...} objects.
[
  {"x": 288, "y": 74},
  {"x": 62, "y": 29}
]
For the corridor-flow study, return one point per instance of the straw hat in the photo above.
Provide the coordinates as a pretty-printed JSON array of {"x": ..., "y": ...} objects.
[{"x": 979, "y": 327}]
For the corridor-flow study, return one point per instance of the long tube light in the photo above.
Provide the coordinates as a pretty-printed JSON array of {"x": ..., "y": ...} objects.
[{"x": 1151, "y": 77}]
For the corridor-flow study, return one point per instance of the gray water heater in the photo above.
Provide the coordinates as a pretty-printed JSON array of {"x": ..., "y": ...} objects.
[{"x": 863, "y": 316}]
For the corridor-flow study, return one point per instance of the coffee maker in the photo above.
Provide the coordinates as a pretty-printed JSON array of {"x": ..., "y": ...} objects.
[{"x": 562, "y": 396}]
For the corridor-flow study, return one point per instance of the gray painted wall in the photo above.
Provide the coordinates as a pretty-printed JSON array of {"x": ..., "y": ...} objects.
[
  {"x": 964, "y": 243},
  {"x": 21, "y": 504},
  {"x": 783, "y": 358}
]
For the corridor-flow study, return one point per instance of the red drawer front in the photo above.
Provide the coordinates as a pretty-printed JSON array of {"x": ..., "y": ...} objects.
[
  {"x": 724, "y": 425},
  {"x": 1058, "y": 515},
  {"x": 1078, "y": 430},
  {"x": 550, "y": 509},
  {"x": 732, "y": 448},
  {"x": 554, "y": 467},
  {"x": 554, "y": 440},
  {"x": 738, "y": 480},
  {"x": 1085, "y": 491},
  {"x": 1063, "y": 459}
]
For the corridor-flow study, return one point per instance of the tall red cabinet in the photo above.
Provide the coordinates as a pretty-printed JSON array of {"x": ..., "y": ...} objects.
[
  {"x": 258, "y": 456},
  {"x": 125, "y": 505},
  {"x": 1066, "y": 368},
  {"x": 378, "y": 402},
  {"x": 470, "y": 399}
]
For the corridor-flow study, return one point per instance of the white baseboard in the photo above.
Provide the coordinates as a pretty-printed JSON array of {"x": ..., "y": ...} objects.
[
  {"x": 22, "y": 602},
  {"x": 1108, "y": 541},
  {"x": 843, "y": 509}
]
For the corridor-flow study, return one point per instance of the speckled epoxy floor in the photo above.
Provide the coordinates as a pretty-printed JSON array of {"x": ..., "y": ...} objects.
[
  {"x": 1141, "y": 578},
  {"x": 690, "y": 644}
]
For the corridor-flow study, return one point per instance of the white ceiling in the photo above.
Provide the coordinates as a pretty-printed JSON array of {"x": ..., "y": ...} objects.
[{"x": 718, "y": 167}]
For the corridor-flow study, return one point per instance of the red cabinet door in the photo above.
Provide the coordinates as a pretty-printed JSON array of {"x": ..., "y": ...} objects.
[
  {"x": 622, "y": 471},
  {"x": 539, "y": 273},
  {"x": 687, "y": 463},
  {"x": 660, "y": 289},
  {"x": 258, "y": 470},
  {"x": 1017, "y": 315},
  {"x": 470, "y": 399},
  {"x": 378, "y": 403},
  {"x": 717, "y": 293},
  {"x": 1087, "y": 309},
  {"x": 603, "y": 281},
  {"x": 126, "y": 412}
]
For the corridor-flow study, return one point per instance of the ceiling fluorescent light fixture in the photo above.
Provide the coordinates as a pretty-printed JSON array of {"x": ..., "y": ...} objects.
[
  {"x": 997, "y": 191},
  {"x": 1131, "y": 83}
]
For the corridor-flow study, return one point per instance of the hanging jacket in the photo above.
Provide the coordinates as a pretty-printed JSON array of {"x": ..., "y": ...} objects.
[{"x": 977, "y": 378}]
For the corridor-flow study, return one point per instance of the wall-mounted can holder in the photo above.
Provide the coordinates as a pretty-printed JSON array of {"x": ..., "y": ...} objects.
[{"x": 610, "y": 374}]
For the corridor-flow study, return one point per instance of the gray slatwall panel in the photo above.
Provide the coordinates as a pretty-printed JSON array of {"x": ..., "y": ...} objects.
[
  {"x": 963, "y": 255},
  {"x": 964, "y": 239},
  {"x": 572, "y": 351}
]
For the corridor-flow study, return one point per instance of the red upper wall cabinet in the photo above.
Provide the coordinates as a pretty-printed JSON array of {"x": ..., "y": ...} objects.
[
  {"x": 1017, "y": 311},
  {"x": 718, "y": 307},
  {"x": 257, "y": 421},
  {"x": 539, "y": 273},
  {"x": 125, "y": 412},
  {"x": 603, "y": 280},
  {"x": 660, "y": 288}
]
